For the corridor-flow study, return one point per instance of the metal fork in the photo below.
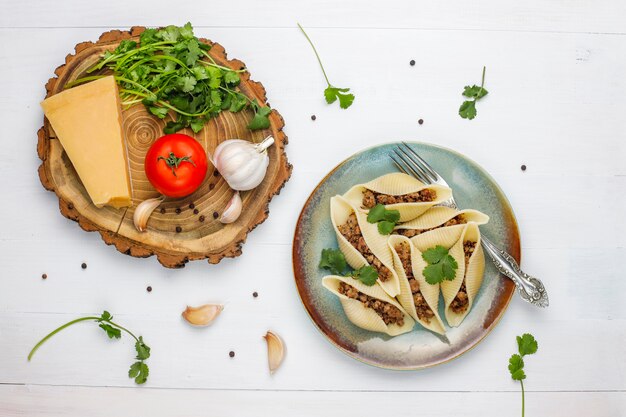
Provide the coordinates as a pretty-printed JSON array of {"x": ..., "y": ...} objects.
[{"x": 531, "y": 289}]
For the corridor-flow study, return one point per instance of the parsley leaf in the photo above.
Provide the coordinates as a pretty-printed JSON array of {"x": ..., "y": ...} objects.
[
  {"x": 334, "y": 261},
  {"x": 366, "y": 274},
  {"x": 331, "y": 93},
  {"x": 441, "y": 265},
  {"x": 260, "y": 119},
  {"x": 516, "y": 365},
  {"x": 468, "y": 108},
  {"x": 386, "y": 219},
  {"x": 111, "y": 331},
  {"x": 526, "y": 344},
  {"x": 139, "y": 370}
]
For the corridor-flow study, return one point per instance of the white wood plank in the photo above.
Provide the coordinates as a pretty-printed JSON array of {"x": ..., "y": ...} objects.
[
  {"x": 605, "y": 16},
  {"x": 45, "y": 401}
]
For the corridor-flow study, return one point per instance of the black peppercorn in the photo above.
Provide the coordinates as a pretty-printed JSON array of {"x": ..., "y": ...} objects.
[
  {"x": 44, "y": 276},
  {"x": 255, "y": 294},
  {"x": 149, "y": 289},
  {"x": 231, "y": 354},
  {"x": 192, "y": 205},
  {"x": 179, "y": 229},
  {"x": 83, "y": 265},
  {"x": 215, "y": 215},
  {"x": 201, "y": 218},
  {"x": 523, "y": 167},
  {"x": 313, "y": 117},
  {"x": 178, "y": 210},
  {"x": 162, "y": 210},
  {"x": 412, "y": 62},
  {"x": 196, "y": 211},
  {"x": 420, "y": 121}
]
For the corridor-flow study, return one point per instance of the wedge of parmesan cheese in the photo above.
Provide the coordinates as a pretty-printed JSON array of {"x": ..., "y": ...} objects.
[{"x": 88, "y": 121}]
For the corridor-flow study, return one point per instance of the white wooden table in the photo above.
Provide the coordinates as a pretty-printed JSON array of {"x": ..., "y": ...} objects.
[{"x": 556, "y": 72}]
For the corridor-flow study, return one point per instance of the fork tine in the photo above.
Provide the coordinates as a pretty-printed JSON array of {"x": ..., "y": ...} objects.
[
  {"x": 416, "y": 166},
  {"x": 399, "y": 165},
  {"x": 410, "y": 168},
  {"x": 423, "y": 164}
]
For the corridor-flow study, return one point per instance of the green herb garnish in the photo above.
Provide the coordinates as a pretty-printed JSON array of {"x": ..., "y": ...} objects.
[
  {"x": 331, "y": 93},
  {"x": 138, "y": 370},
  {"x": 441, "y": 265},
  {"x": 526, "y": 345},
  {"x": 386, "y": 219},
  {"x": 170, "y": 70},
  {"x": 468, "y": 108},
  {"x": 335, "y": 261}
]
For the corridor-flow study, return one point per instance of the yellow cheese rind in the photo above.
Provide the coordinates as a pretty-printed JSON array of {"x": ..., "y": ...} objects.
[{"x": 87, "y": 121}]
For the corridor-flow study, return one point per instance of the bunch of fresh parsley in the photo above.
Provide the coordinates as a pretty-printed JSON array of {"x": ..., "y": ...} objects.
[
  {"x": 386, "y": 219},
  {"x": 138, "y": 370},
  {"x": 526, "y": 345},
  {"x": 331, "y": 93},
  {"x": 334, "y": 261},
  {"x": 170, "y": 70},
  {"x": 468, "y": 108},
  {"x": 441, "y": 265}
]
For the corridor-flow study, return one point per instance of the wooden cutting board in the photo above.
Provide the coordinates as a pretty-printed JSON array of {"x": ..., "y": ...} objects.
[{"x": 179, "y": 230}]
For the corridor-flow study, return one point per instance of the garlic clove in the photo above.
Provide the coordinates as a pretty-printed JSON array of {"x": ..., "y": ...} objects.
[
  {"x": 143, "y": 212},
  {"x": 232, "y": 210},
  {"x": 275, "y": 350},
  {"x": 203, "y": 315}
]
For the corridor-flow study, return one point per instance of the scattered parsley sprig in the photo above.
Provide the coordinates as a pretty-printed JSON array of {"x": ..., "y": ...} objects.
[
  {"x": 170, "y": 70},
  {"x": 138, "y": 370},
  {"x": 526, "y": 345},
  {"x": 441, "y": 265},
  {"x": 468, "y": 108},
  {"x": 386, "y": 219},
  {"x": 331, "y": 93},
  {"x": 335, "y": 261}
]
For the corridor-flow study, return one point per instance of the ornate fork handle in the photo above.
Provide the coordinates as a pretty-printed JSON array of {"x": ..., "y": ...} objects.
[{"x": 530, "y": 288}]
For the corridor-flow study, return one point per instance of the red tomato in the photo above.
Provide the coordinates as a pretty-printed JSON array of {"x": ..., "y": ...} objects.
[{"x": 176, "y": 165}]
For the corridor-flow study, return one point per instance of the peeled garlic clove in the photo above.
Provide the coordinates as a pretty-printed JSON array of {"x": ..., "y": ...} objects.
[
  {"x": 143, "y": 212},
  {"x": 203, "y": 315},
  {"x": 275, "y": 350},
  {"x": 232, "y": 210},
  {"x": 243, "y": 164}
]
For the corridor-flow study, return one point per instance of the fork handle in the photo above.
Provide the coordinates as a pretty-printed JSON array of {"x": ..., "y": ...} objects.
[{"x": 531, "y": 289}]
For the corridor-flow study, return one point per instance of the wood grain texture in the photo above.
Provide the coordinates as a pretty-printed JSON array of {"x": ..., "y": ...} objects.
[{"x": 181, "y": 229}]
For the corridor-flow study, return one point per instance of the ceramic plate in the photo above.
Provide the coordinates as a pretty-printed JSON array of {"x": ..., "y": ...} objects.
[{"x": 418, "y": 349}]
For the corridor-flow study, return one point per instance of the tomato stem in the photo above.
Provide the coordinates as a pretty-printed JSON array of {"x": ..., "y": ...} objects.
[{"x": 173, "y": 161}]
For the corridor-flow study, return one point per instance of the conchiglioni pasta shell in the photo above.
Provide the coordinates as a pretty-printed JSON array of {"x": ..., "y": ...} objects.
[
  {"x": 340, "y": 209},
  {"x": 429, "y": 292},
  {"x": 361, "y": 316},
  {"x": 398, "y": 184},
  {"x": 473, "y": 274}
]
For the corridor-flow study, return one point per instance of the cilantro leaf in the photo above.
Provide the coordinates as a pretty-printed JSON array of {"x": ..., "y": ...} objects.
[
  {"x": 112, "y": 332},
  {"x": 125, "y": 46},
  {"x": 516, "y": 365},
  {"x": 232, "y": 78},
  {"x": 159, "y": 112},
  {"x": 187, "y": 31},
  {"x": 386, "y": 219},
  {"x": 434, "y": 255},
  {"x": 105, "y": 316},
  {"x": 139, "y": 370},
  {"x": 385, "y": 227},
  {"x": 366, "y": 274},
  {"x": 260, "y": 119},
  {"x": 143, "y": 350},
  {"x": 474, "y": 91},
  {"x": 526, "y": 344},
  {"x": 333, "y": 93},
  {"x": 333, "y": 260},
  {"x": 468, "y": 109},
  {"x": 441, "y": 265}
]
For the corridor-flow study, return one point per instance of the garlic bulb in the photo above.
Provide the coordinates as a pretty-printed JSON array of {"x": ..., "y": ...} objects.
[
  {"x": 143, "y": 212},
  {"x": 203, "y": 315},
  {"x": 243, "y": 164},
  {"x": 232, "y": 210}
]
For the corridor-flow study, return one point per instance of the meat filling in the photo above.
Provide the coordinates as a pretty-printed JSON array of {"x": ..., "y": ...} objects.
[
  {"x": 371, "y": 198},
  {"x": 388, "y": 312},
  {"x": 459, "y": 219},
  {"x": 352, "y": 232},
  {"x": 422, "y": 309},
  {"x": 460, "y": 302}
]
